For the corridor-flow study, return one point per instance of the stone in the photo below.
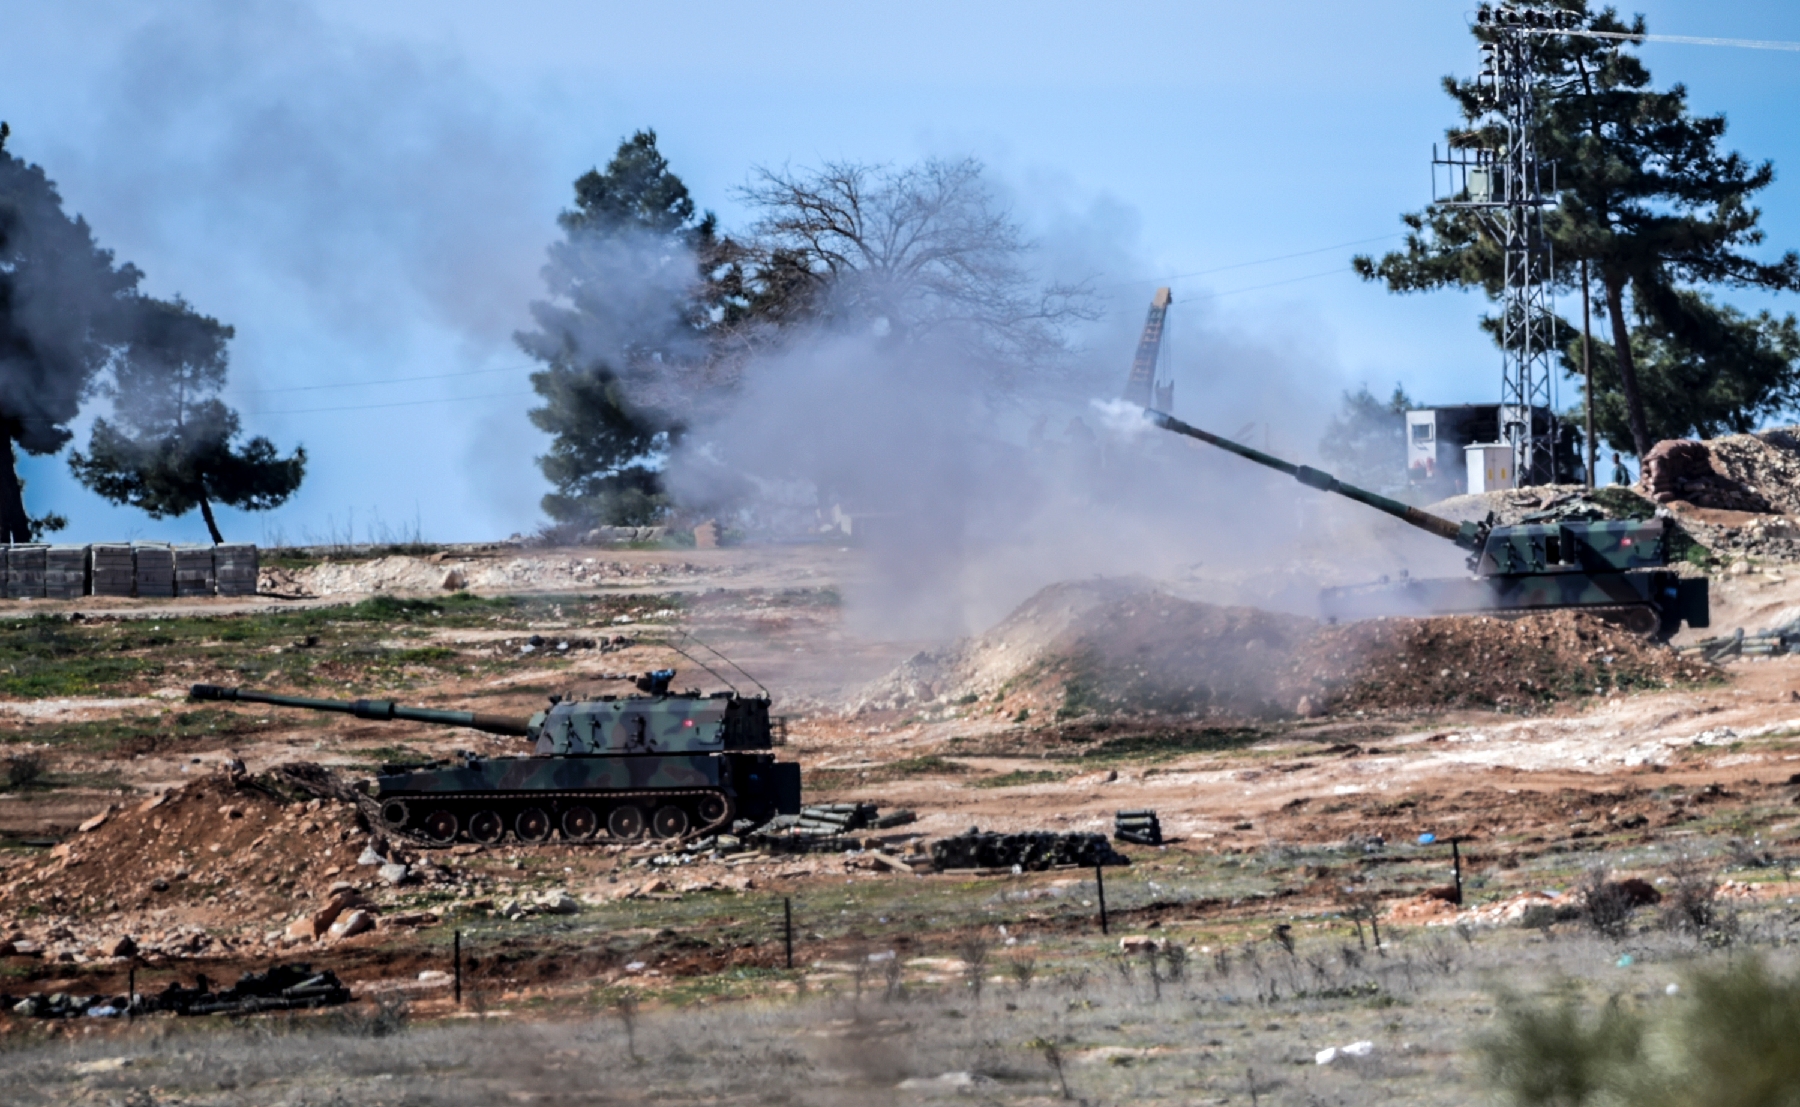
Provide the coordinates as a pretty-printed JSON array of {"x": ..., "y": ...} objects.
[
  {"x": 455, "y": 581},
  {"x": 342, "y": 887},
  {"x": 351, "y": 924},
  {"x": 392, "y": 873},
  {"x": 557, "y": 902},
  {"x": 232, "y": 811},
  {"x": 435, "y": 978},
  {"x": 94, "y": 823},
  {"x": 370, "y": 857},
  {"x": 124, "y": 946},
  {"x": 1140, "y": 943},
  {"x": 328, "y": 914},
  {"x": 302, "y": 930}
]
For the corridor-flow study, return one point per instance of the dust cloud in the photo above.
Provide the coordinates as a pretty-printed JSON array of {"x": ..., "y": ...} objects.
[{"x": 970, "y": 501}]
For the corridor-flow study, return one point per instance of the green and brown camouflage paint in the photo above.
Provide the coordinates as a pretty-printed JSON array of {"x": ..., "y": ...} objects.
[{"x": 672, "y": 763}]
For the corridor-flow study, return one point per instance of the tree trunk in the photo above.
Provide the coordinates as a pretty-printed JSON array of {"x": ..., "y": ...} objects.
[
  {"x": 15, "y": 525},
  {"x": 211, "y": 523},
  {"x": 1628, "y": 383}
]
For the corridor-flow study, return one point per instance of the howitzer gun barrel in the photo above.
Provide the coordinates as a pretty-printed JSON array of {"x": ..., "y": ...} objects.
[
  {"x": 383, "y": 710},
  {"x": 1469, "y": 536}
]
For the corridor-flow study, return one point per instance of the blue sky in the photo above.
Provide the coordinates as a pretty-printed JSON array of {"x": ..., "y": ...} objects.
[{"x": 365, "y": 189}]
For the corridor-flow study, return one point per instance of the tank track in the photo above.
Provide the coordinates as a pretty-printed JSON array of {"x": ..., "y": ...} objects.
[{"x": 423, "y": 801}]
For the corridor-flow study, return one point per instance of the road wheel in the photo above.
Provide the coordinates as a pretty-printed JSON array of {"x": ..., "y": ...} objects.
[
  {"x": 579, "y": 823},
  {"x": 487, "y": 827},
  {"x": 712, "y": 807},
  {"x": 533, "y": 825},
  {"x": 1642, "y": 620},
  {"x": 440, "y": 826},
  {"x": 626, "y": 822},
  {"x": 395, "y": 813},
  {"x": 669, "y": 822}
]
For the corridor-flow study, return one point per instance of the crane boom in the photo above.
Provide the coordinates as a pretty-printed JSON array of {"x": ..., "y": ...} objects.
[{"x": 1140, "y": 386}]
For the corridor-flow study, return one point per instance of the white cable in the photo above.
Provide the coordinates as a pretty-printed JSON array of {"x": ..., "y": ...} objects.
[{"x": 1688, "y": 40}]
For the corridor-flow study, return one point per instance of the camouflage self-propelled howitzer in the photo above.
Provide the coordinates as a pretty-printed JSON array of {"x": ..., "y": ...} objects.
[
  {"x": 1615, "y": 569},
  {"x": 613, "y": 768}
]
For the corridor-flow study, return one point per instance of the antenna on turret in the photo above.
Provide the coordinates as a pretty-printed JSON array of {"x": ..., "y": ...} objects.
[{"x": 688, "y": 636}]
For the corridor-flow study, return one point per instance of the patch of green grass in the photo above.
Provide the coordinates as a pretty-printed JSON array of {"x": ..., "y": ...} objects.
[
  {"x": 384, "y": 755},
  {"x": 928, "y": 765},
  {"x": 1079, "y": 699},
  {"x": 1622, "y": 503},
  {"x": 422, "y": 655},
  {"x": 1162, "y": 743},
  {"x": 1017, "y": 778},
  {"x": 140, "y": 733}
]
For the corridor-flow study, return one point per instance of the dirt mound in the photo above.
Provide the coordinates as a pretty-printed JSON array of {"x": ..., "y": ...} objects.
[
  {"x": 212, "y": 865},
  {"x": 1480, "y": 661},
  {"x": 1127, "y": 647},
  {"x": 1766, "y": 464}
]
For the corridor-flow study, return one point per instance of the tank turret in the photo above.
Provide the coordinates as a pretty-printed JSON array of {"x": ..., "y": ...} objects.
[
  {"x": 1616, "y": 569},
  {"x": 609, "y": 768}
]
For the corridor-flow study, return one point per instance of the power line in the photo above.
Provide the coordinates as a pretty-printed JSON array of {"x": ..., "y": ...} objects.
[
  {"x": 1271, "y": 284},
  {"x": 1687, "y": 40},
  {"x": 1259, "y": 261},
  {"x": 402, "y": 403},
  {"x": 380, "y": 380}
]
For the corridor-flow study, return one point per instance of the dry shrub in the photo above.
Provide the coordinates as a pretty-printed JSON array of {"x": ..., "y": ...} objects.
[
  {"x": 23, "y": 770},
  {"x": 1606, "y": 905},
  {"x": 1735, "y": 1038},
  {"x": 1692, "y": 904}
]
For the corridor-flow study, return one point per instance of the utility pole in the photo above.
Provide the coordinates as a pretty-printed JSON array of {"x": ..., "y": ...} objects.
[
  {"x": 1504, "y": 185},
  {"x": 1587, "y": 375}
]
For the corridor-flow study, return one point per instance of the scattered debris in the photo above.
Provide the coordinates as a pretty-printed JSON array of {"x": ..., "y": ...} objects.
[
  {"x": 1332, "y": 1053},
  {"x": 1029, "y": 851},
  {"x": 282, "y": 988}
]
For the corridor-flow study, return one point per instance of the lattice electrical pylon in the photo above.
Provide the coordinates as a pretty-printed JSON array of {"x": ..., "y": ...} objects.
[{"x": 1504, "y": 184}]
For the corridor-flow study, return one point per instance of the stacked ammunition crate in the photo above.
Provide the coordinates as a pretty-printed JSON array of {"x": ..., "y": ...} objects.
[
  {"x": 234, "y": 570},
  {"x": 111, "y": 571},
  {"x": 1140, "y": 827},
  {"x": 25, "y": 572},
  {"x": 154, "y": 566},
  {"x": 31, "y": 571},
  {"x": 65, "y": 572},
  {"x": 193, "y": 570}
]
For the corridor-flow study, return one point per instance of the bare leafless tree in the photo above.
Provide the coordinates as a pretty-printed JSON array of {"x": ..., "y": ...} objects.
[{"x": 916, "y": 253}]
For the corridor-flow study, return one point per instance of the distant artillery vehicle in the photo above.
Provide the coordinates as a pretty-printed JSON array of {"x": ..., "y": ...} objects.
[
  {"x": 1615, "y": 569},
  {"x": 608, "y": 769}
]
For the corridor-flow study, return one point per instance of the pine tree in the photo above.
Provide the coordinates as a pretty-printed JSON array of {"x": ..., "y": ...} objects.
[
  {"x": 171, "y": 448},
  {"x": 621, "y": 333},
  {"x": 63, "y": 311},
  {"x": 1366, "y": 441},
  {"x": 1651, "y": 202}
]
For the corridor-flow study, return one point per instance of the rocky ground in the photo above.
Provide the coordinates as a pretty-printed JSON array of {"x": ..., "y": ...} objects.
[{"x": 1292, "y": 765}]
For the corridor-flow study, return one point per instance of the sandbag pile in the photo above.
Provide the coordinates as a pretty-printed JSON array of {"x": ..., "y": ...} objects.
[
  {"x": 1029, "y": 851},
  {"x": 1683, "y": 469}
]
